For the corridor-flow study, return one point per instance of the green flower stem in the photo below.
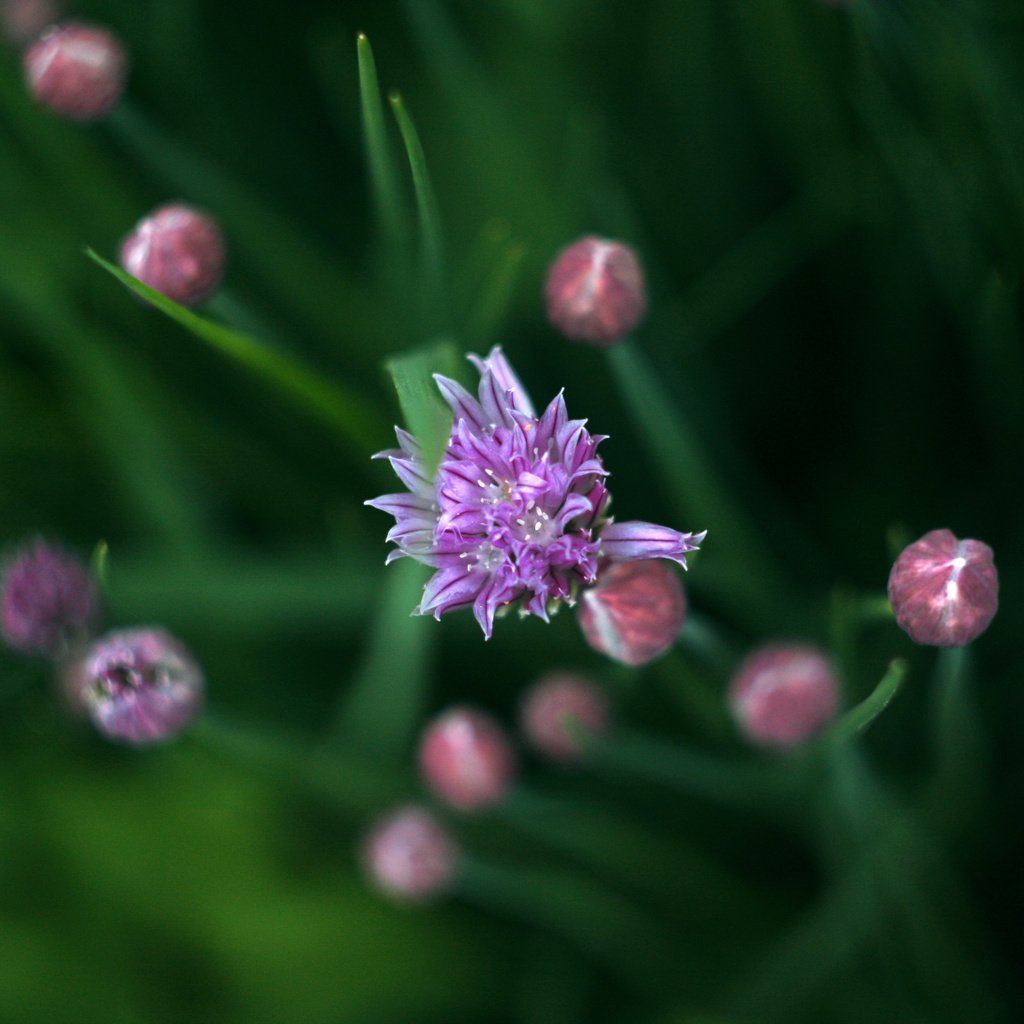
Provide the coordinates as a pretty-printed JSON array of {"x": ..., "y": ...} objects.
[
  {"x": 355, "y": 786},
  {"x": 494, "y": 296},
  {"x": 628, "y": 943},
  {"x": 855, "y": 721},
  {"x": 749, "y": 575}
]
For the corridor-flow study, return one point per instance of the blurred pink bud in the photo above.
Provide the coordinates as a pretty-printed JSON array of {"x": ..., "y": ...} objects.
[
  {"x": 595, "y": 291},
  {"x": 48, "y": 600},
  {"x": 634, "y": 612},
  {"x": 943, "y": 591},
  {"x": 76, "y": 70},
  {"x": 783, "y": 694},
  {"x": 467, "y": 759},
  {"x": 139, "y": 686},
  {"x": 23, "y": 20},
  {"x": 409, "y": 855},
  {"x": 558, "y": 710},
  {"x": 178, "y": 251}
]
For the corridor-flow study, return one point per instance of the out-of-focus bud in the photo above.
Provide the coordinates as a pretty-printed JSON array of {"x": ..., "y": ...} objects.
[
  {"x": 76, "y": 70},
  {"x": 409, "y": 855},
  {"x": 466, "y": 758},
  {"x": 178, "y": 251},
  {"x": 595, "y": 291},
  {"x": 783, "y": 694},
  {"x": 49, "y": 600},
  {"x": 558, "y": 711},
  {"x": 139, "y": 686},
  {"x": 943, "y": 591},
  {"x": 634, "y": 612},
  {"x": 23, "y": 20}
]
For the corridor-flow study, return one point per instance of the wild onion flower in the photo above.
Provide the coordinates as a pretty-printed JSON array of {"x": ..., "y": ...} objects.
[
  {"x": 47, "y": 600},
  {"x": 944, "y": 592},
  {"x": 516, "y": 511},
  {"x": 139, "y": 686},
  {"x": 560, "y": 712},
  {"x": 76, "y": 70}
]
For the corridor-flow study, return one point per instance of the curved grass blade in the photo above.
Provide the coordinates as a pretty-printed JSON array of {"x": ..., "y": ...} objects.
[{"x": 347, "y": 414}]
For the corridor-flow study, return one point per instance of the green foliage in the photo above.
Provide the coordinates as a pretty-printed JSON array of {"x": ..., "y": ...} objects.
[{"x": 829, "y": 205}]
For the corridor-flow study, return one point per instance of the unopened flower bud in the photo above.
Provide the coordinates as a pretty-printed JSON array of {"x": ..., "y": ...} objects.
[
  {"x": 783, "y": 694},
  {"x": 467, "y": 759},
  {"x": 943, "y": 591},
  {"x": 178, "y": 251},
  {"x": 559, "y": 711},
  {"x": 76, "y": 70},
  {"x": 410, "y": 855},
  {"x": 49, "y": 600},
  {"x": 595, "y": 291},
  {"x": 139, "y": 686},
  {"x": 23, "y": 20},
  {"x": 634, "y": 612}
]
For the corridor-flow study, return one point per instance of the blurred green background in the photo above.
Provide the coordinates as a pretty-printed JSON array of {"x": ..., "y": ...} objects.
[{"x": 830, "y": 207}]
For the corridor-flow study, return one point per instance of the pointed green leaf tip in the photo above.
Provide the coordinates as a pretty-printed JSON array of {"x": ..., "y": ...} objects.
[
  {"x": 427, "y": 418},
  {"x": 344, "y": 412}
]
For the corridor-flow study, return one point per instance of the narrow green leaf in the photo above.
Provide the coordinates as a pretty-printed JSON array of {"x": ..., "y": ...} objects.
[
  {"x": 99, "y": 563},
  {"x": 382, "y": 166},
  {"x": 348, "y": 415},
  {"x": 857, "y": 719},
  {"x": 380, "y": 711},
  {"x": 426, "y": 205},
  {"x": 426, "y": 416}
]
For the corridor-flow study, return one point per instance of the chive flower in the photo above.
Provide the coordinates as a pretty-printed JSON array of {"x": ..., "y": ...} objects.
[
  {"x": 944, "y": 591},
  {"x": 47, "y": 600},
  {"x": 635, "y": 612},
  {"x": 783, "y": 694},
  {"x": 466, "y": 759},
  {"x": 139, "y": 686},
  {"x": 76, "y": 70},
  {"x": 178, "y": 251},
  {"x": 560, "y": 712},
  {"x": 595, "y": 291},
  {"x": 516, "y": 511},
  {"x": 409, "y": 855}
]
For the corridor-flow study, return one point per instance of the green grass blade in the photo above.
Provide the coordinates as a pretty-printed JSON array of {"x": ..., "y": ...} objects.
[
  {"x": 382, "y": 165},
  {"x": 426, "y": 416},
  {"x": 348, "y": 415}
]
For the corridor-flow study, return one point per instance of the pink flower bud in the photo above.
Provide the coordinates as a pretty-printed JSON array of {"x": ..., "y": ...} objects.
[
  {"x": 558, "y": 709},
  {"x": 783, "y": 694},
  {"x": 48, "y": 600},
  {"x": 23, "y": 20},
  {"x": 178, "y": 251},
  {"x": 634, "y": 612},
  {"x": 139, "y": 686},
  {"x": 410, "y": 855},
  {"x": 467, "y": 759},
  {"x": 76, "y": 70},
  {"x": 595, "y": 291},
  {"x": 943, "y": 591}
]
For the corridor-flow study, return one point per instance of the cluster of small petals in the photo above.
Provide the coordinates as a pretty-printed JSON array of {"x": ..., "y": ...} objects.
[
  {"x": 76, "y": 70},
  {"x": 943, "y": 591},
  {"x": 409, "y": 855},
  {"x": 48, "y": 600},
  {"x": 595, "y": 291},
  {"x": 636, "y": 610},
  {"x": 559, "y": 711},
  {"x": 23, "y": 20},
  {"x": 783, "y": 694},
  {"x": 139, "y": 686},
  {"x": 516, "y": 510},
  {"x": 467, "y": 759},
  {"x": 178, "y": 251}
]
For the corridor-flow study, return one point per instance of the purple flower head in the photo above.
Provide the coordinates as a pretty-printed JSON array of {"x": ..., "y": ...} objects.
[
  {"x": 139, "y": 686},
  {"x": 48, "y": 599},
  {"x": 516, "y": 509}
]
